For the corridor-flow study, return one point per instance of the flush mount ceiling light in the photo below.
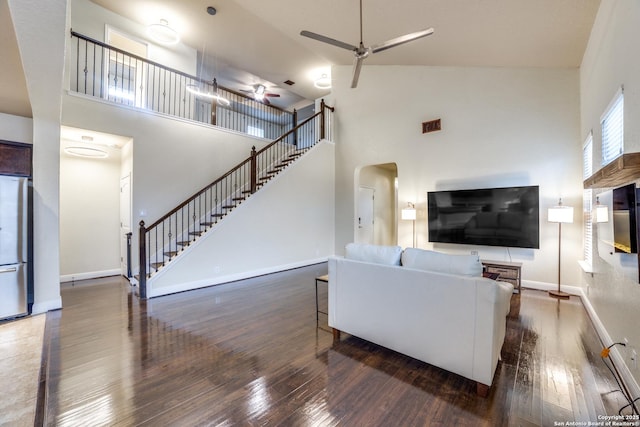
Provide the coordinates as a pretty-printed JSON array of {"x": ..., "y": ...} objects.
[
  {"x": 195, "y": 89},
  {"x": 323, "y": 82},
  {"x": 163, "y": 33},
  {"x": 93, "y": 153}
]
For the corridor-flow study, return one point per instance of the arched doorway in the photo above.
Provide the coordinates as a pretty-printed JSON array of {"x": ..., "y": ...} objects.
[{"x": 376, "y": 204}]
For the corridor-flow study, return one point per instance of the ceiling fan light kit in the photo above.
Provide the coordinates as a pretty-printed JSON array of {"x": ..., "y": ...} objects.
[
  {"x": 361, "y": 52},
  {"x": 162, "y": 33},
  {"x": 322, "y": 82},
  {"x": 195, "y": 89}
]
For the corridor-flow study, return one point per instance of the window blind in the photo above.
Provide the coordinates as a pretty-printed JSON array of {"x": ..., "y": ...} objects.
[
  {"x": 613, "y": 129},
  {"x": 587, "y": 171}
]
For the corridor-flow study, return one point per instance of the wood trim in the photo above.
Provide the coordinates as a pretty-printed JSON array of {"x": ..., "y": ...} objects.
[{"x": 622, "y": 170}]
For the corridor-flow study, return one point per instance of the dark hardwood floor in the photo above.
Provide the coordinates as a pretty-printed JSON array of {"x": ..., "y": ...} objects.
[{"x": 249, "y": 353}]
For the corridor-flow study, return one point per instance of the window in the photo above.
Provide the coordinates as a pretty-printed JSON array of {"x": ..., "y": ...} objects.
[
  {"x": 587, "y": 171},
  {"x": 613, "y": 129}
]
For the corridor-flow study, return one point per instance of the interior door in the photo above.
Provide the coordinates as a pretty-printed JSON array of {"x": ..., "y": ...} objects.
[
  {"x": 364, "y": 215},
  {"x": 125, "y": 223}
]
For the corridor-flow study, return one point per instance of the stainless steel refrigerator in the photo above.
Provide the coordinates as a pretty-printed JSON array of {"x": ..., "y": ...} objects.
[{"x": 15, "y": 287}]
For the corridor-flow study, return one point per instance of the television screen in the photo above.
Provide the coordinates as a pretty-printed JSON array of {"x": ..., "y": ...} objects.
[
  {"x": 506, "y": 216},
  {"x": 624, "y": 219}
]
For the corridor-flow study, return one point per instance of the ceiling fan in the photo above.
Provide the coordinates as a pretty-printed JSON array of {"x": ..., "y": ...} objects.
[
  {"x": 360, "y": 51},
  {"x": 260, "y": 94}
]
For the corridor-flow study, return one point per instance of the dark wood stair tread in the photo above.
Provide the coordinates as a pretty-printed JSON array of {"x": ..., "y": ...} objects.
[
  {"x": 157, "y": 265},
  {"x": 171, "y": 254},
  {"x": 183, "y": 243},
  {"x": 229, "y": 207},
  {"x": 195, "y": 233},
  {"x": 236, "y": 199},
  {"x": 217, "y": 215},
  {"x": 207, "y": 223}
]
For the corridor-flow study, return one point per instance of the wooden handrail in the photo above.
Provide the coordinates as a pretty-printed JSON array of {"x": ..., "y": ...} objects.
[
  {"x": 164, "y": 67},
  {"x": 230, "y": 172},
  {"x": 248, "y": 182}
]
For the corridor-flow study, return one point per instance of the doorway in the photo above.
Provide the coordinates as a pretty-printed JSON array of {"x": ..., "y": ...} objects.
[
  {"x": 376, "y": 204},
  {"x": 95, "y": 203},
  {"x": 125, "y": 225}
]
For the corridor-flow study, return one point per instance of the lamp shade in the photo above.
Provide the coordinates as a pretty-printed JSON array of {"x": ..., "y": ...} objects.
[
  {"x": 561, "y": 214},
  {"x": 602, "y": 213},
  {"x": 409, "y": 213}
]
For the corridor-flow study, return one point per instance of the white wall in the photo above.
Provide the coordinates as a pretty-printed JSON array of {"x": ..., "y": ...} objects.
[
  {"x": 500, "y": 127},
  {"x": 609, "y": 63},
  {"x": 89, "y": 215},
  {"x": 172, "y": 158},
  {"x": 90, "y": 19},
  {"x": 286, "y": 224},
  {"x": 41, "y": 34},
  {"x": 16, "y": 128}
]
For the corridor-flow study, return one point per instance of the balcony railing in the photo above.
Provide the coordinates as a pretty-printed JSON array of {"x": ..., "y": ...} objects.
[{"x": 112, "y": 74}]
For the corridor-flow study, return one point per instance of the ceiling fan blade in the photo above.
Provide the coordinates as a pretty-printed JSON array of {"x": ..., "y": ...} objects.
[
  {"x": 328, "y": 40},
  {"x": 357, "y": 66},
  {"x": 401, "y": 40},
  {"x": 274, "y": 95}
]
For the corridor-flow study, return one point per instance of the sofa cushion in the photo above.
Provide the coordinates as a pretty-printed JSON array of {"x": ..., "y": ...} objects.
[
  {"x": 421, "y": 259},
  {"x": 377, "y": 254}
]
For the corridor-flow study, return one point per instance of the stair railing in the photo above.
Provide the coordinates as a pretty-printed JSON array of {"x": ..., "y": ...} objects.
[
  {"x": 160, "y": 242},
  {"x": 112, "y": 74}
]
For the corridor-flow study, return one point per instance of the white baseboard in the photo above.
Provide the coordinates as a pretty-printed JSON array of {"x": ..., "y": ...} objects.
[
  {"x": 89, "y": 275},
  {"x": 187, "y": 286},
  {"x": 44, "y": 306},
  {"x": 615, "y": 355}
]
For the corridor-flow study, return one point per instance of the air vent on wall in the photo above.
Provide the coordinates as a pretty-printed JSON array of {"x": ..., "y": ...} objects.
[{"x": 289, "y": 82}]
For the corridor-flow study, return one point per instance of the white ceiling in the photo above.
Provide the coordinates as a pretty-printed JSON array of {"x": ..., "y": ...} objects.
[{"x": 262, "y": 37}]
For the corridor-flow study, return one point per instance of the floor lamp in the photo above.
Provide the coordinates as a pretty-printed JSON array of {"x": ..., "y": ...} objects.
[
  {"x": 409, "y": 214},
  {"x": 560, "y": 214}
]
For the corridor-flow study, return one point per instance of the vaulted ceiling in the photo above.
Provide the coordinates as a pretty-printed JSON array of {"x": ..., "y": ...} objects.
[{"x": 262, "y": 38}]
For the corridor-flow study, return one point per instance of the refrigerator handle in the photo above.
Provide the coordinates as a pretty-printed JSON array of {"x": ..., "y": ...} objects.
[
  {"x": 8, "y": 270},
  {"x": 24, "y": 218}
]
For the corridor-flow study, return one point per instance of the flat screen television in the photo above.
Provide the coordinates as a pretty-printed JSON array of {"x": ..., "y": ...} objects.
[
  {"x": 624, "y": 219},
  {"x": 507, "y": 216}
]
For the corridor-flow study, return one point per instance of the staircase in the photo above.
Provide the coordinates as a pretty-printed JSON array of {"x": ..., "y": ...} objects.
[{"x": 167, "y": 238}]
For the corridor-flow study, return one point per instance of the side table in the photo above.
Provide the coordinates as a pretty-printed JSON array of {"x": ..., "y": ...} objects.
[{"x": 508, "y": 272}]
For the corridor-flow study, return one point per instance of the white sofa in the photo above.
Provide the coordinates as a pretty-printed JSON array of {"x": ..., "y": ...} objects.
[{"x": 435, "y": 307}]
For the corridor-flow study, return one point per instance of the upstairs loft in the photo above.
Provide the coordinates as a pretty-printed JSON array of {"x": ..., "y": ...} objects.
[{"x": 114, "y": 75}]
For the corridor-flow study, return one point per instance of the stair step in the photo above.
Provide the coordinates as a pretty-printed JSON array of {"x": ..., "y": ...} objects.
[
  {"x": 217, "y": 215},
  {"x": 207, "y": 223},
  {"x": 229, "y": 207},
  {"x": 183, "y": 243},
  {"x": 171, "y": 254},
  {"x": 246, "y": 192},
  {"x": 157, "y": 265},
  {"x": 236, "y": 199},
  {"x": 294, "y": 155},
  {"x": 265, "y": 178},
  {"x": 195, "y": 233}
]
